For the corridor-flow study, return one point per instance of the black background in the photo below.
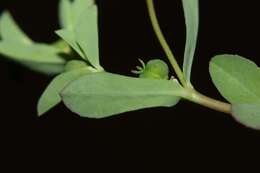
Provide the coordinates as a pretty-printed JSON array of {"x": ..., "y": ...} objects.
[{"x": 186, "y": 134}]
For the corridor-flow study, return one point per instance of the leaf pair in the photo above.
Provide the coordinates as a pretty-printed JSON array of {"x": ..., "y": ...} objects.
[
  {"x": 80, "y": 19},
  {"x": 20, "y": 48},
  {"x": 102, "y": 94},
  {"x": 80, "y": 22},
  {"x": 99, "y": 95},
  {"x": 238, "y": 80}
]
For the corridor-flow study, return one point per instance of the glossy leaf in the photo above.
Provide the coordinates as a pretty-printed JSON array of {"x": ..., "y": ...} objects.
[
  {"x": 38, "y": 57},
  {"x": 103, "y": 94},
  {"x": 191, "y": 13},
  {"x": 10, "y": 31},
  {"x": 236, "y": 78},
  {"x": 87, "y": 35},
  {"x": 50, "y": 97},
  {"x": 247, "y": 114}
]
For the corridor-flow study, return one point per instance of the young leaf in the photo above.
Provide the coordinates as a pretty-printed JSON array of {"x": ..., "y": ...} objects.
[
  {"x": 104, "y": 94},
  {"x": 247, "y": 114},
  {"x": 236, "y": 78},
  {"x": 9, "y": 30},
  {"x": 50, "y": 97},
  {"x": 69, "y": 37},
  {"x": 87, "y": 35},
  {"x": 191, "y": 13},
  {"x": 39, "y": 57}
]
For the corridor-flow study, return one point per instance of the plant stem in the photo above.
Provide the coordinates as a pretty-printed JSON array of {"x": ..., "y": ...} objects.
[
  {"x": 196, "y": 97},
  {"x": 164, "y": 43},
  {"x": 188, "y": 92}
]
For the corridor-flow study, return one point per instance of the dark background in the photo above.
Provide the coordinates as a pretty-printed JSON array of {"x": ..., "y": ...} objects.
[{"x": 160, "y": 137}]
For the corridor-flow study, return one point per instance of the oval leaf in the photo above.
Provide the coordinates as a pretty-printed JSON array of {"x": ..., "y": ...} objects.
[
  {"x": 50, "y": 96},
  {"x": 103, "y": 94},
  {"x": 191, "y": 13},
  {"x": 236, "y": 78},
  {"x": 247, "y": 114}
]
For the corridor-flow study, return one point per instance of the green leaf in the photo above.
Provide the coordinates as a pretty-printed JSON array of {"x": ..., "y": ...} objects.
[
  {"x": 83, "y": 37},
  {"x": 236, "y": 78},
  {"x": 66, "y": 14},
  {"x": 39, "y": 57},
  {"x": 10, "y": 31},
  {"x": 79, "y": 7},
  {"x": 103, "y": 94},
  {"x": 191, "y": 13},
  {"x": 69, "y": 37},
  {"x": 50, "y": 97},
  {"x": 70, "y": 11},
  {"x": 247, "y": 114},
  {"x": 87, "y": 35},
  {"x": 44, "y": 68}
]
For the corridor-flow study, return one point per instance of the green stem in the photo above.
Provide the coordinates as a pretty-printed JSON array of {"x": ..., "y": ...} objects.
[
  {"x": 163, "y": 42},
  {"x": 196, "y": 97},
  {"x": 188, "y": 92}
]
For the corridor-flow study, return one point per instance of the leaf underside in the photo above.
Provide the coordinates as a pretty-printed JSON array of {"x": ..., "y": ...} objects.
[{"x": 104, "y": 94}]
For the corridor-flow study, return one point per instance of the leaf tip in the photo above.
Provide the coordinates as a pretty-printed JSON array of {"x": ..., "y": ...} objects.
[
  {"x": 40, "y": 110},
  {"x": 247, "y": 115}
]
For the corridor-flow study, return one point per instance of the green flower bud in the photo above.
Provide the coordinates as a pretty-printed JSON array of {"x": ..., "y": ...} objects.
[{"x": 154, "y": 69}]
